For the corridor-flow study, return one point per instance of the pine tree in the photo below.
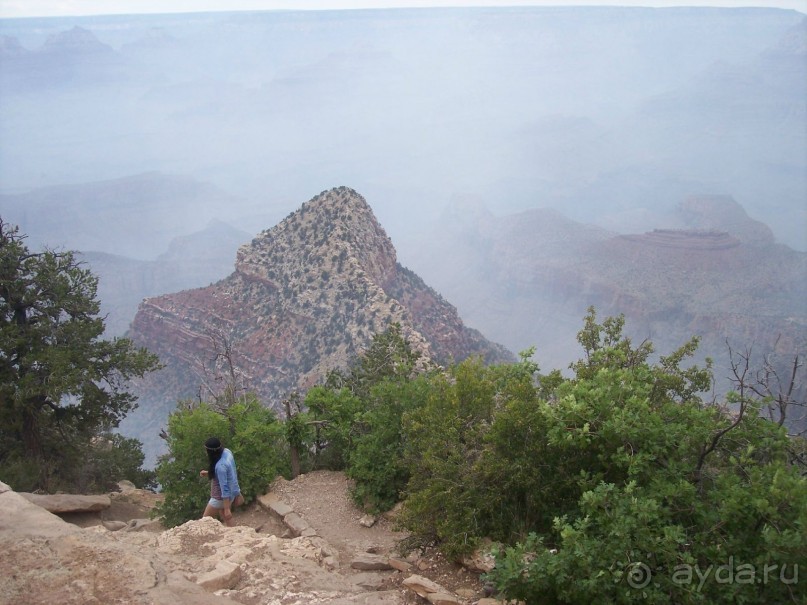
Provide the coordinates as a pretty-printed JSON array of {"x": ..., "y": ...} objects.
[{"x": 61, "y": 384}]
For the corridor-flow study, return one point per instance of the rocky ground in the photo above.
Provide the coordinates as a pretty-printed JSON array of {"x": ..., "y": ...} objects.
[
  {"x": 323, "y": 499},
  {"x": 116, "y": 556}
]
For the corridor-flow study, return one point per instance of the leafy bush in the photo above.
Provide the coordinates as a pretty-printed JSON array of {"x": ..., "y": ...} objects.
[
  {"x": 619, "y": 484},
  {"x": 248, "y": 429},
  {"x": 335, "y": 411},
  {"x": 259, "y": 447},
  {"x": 647, "y": 487},
  {"x": 448, "y": 501},
  {"x": 21, "y": 473},
  {"x": 376, "y": 462},
  {"x": 359, "y": 416}
]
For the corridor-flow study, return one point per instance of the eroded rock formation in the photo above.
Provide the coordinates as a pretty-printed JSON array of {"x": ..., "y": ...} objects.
[{"x": 306, "y": 297}]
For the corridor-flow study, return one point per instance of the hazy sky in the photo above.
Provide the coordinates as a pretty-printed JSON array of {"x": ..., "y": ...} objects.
[{"x": 34, "y": 8}]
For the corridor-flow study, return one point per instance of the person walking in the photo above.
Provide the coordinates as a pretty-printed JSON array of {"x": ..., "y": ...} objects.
[{"x": 225, "y": 494}]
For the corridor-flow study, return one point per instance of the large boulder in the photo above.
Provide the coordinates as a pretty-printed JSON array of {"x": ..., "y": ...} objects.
[
  {"x": 45, "y": 560},
  {"x": 69, "y": 503}
]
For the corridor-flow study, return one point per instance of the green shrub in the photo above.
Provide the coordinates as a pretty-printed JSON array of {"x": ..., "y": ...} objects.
[
  {"x": 62, "y": 386},
  {"x": 259, "y": 447},
  {"x": 637, "y": 489},
  {"x": 335, "y": 410},
  {"x": 359, "y": 416},
  {"x": 376, "y": 462},
  {"x": 448, "y": 500},
  {"x": 616, "y": 485},
  {"x": 21, "y": 473},
  {"x": 96, "y": 468},
  {"x": 249, "y": 430}
]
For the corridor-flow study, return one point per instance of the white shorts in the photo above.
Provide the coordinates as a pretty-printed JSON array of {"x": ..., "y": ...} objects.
[{"x": 219, "y": 504}]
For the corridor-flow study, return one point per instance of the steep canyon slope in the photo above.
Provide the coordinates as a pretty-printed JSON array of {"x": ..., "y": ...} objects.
[{"x": 306, "y": 297}]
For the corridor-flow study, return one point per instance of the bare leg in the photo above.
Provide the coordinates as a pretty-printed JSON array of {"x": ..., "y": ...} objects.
[{"x": 211, "y": 512}]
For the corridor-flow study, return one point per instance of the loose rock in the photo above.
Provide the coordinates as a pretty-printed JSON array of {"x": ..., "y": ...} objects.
[
  {"x": 371, "y": 562},
  {"x": 423, "y": 586},
  {"x": 225, "y": 576},
  {"x": 367, "y": 521}
]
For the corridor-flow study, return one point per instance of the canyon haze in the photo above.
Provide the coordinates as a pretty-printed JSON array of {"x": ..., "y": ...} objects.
[{"x": 525, "y": 163}]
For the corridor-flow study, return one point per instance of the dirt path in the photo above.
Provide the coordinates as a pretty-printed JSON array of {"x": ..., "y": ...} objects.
[{"x": 322, "y": 498}]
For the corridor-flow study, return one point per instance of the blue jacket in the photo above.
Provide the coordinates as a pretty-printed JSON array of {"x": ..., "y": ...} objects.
[{"x": 227, "y": 475}]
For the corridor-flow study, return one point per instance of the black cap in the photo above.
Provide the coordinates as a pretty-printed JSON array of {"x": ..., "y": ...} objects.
[{"x": 213, "y": 444}]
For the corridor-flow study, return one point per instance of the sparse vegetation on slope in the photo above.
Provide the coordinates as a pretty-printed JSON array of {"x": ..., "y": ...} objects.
[{"x": 305, "y": 298}]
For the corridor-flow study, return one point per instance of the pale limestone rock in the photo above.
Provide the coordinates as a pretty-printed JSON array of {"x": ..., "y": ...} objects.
[
  {"x": 274, "y": 505},
  {"x": 280, "y": 509},
  {"x": 225, "y": 576},
  {"x": 295, "y": 523},
  {"x": 465, "y": 593},
  {"x": 313, "y": 548},
  {"x": 423, "y": 586},
  {"x": 368, "y": 581},
  {"x": 96, "y": 566},
  {"x": 482, "y": 559},
  {"x": 367, "y": 521},
  {"x": 138, "y": 497},
  {"x": 186, "y": 538},
  {"x": 399, "y": 564},
  {"x": 42, "y": 556},
  {"x": 21, "y": 518},
  {"x": 151, "y": 525},
  {"x": 371, "y": 562},
  {"x": 266, "y": 499},
  {"x": 69, "y": 503}
]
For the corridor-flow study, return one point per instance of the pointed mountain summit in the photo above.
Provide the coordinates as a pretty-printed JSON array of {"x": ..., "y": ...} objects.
[
  {"x": 75, "y": 41},
  {"x": 306, "y": 297}
]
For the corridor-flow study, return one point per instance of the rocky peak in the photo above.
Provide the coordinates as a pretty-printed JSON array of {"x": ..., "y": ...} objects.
[
  {"x": 11, "y": 47},
  {"x": 306, "y": 297},
  {"x": 723, "y": 213},
  {"x": 75, "y": 41},
  {"x": 337, "y": 233}
]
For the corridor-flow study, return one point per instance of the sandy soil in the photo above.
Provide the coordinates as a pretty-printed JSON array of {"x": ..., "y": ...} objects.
[{"x": 323, "y": 499}]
